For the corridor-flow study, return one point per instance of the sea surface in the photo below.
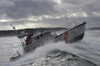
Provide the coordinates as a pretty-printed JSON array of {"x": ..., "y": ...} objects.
[{"x": 82, "y": 53}]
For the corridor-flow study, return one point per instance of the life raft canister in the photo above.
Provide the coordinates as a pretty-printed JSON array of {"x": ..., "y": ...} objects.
[{"x": 65, "y": 36}]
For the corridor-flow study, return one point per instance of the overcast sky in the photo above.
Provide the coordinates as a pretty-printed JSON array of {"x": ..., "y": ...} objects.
[{"x": 48, "y": 13}]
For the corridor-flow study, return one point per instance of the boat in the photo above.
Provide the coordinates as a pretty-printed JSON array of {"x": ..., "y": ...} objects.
[{"x": 31, "y": 41}]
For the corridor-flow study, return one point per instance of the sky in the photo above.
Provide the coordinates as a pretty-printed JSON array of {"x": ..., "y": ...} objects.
[{"x": 48, "y": 13}]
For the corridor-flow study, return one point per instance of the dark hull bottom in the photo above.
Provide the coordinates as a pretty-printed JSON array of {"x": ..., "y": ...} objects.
[{"x": 78, "y": 38}]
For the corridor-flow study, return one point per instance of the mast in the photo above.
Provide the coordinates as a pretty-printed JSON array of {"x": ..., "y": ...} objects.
[{"x": 21, "y": 39}]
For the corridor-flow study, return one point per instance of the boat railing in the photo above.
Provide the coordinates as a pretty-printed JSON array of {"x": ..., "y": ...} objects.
[
  {"x": 23, "y": 41},
  {"x": 70, "y": 25}
]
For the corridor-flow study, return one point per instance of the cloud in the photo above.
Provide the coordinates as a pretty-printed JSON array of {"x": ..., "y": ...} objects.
[
  {"x": 48, "y": 11},
  {"x": 6, "y": 3},
  {"x": 37, "y": 8},
  {"x": 26, "y": 8}
]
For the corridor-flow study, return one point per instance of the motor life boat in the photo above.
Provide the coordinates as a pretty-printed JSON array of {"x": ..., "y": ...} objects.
[
  {"x": 31, "y": 41},
  {"x": 69, "y": 35}
]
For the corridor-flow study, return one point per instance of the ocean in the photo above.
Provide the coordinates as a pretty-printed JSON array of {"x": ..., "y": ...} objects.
[{"x": 87, "y": 51}]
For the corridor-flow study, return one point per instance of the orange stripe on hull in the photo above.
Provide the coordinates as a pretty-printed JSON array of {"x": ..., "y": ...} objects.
[{"x": 65, "y": 36}]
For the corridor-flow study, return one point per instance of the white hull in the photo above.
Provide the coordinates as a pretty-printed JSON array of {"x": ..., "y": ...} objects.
[{"x": 70, "y": 35}]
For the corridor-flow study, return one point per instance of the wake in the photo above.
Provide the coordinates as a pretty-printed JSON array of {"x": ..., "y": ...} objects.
[
  {"x": 81, "y": 49},
  {"x": 87, "y": 49}
]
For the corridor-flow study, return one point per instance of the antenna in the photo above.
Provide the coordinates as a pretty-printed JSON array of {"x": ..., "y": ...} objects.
[
  {"x": 21, "y": 39},
  {"x": 12, "y": 27}
]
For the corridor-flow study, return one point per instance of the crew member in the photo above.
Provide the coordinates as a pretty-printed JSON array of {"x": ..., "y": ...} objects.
[{"x": 28, "y": 41}]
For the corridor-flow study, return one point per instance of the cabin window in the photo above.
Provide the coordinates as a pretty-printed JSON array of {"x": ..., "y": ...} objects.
[
  {"x": 41, "y": 35},
  {"x": 37, "y": 37}
]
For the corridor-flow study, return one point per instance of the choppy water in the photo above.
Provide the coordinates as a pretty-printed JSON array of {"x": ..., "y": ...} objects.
[
  {"x": 88, "y": 48},
  {"x": 59, "y": 58}
]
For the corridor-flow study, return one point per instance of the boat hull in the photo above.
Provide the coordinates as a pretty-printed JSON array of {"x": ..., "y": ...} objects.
[
  {"x": 76, "y": 33},
  {"x": 69, "y": 36}
]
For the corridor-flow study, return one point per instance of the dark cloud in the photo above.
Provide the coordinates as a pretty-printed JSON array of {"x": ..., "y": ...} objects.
[
  {"x": 50, "y": 11},
  {"x": 6, "y": 3},
  {"x": 74, "y": 2},
  {"x": 26, "y": 8}
]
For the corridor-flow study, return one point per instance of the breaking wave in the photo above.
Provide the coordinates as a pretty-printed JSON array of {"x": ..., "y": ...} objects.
[
  {"x": 45, "y": 50},
  {"x": 86, "y": 51}
]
